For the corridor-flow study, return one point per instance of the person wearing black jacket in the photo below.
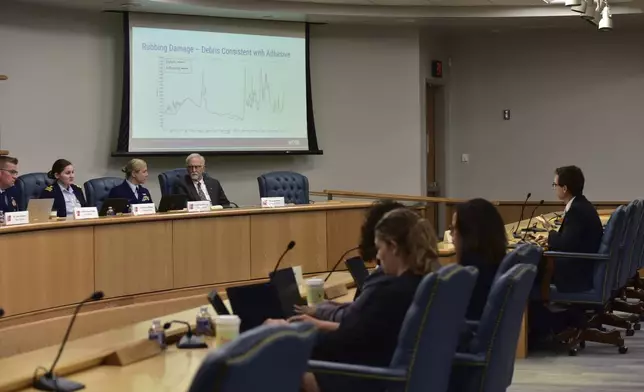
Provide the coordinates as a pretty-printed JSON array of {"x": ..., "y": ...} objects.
[{"x": 581, "y": 231}]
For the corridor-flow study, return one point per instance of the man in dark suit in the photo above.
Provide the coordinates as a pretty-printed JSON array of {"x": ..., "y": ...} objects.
[
  {"x": 199, "y": 187},
  {"x": 581, "y": 232},
  {"x": 9, "y": 194}
]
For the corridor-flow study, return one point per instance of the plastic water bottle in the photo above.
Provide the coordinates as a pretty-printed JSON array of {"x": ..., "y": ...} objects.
[
  {"x": 204, "y": 322},
  {"x": 157, "y": 333},
  {"x": 1, "y": 218},
  {"x": 110, "y": 212}
]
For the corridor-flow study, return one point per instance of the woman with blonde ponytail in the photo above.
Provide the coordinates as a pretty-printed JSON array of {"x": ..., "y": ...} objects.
[
  {"x": 132, "y": 189},
  {"x": 407, "y": 251}
]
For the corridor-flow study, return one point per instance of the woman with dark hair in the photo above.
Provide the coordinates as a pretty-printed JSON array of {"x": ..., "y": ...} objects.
[
  {"x": 480, "y": 241},
  {"x": 65, "y": 193},
  {"x": 335, "y": 312}
]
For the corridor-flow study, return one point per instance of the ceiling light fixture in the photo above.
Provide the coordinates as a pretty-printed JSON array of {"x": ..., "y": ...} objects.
[
  {"x": 573, "y": 3},
  {"x": 581, "y": 8},
  {"x": 606, "y": 22}
]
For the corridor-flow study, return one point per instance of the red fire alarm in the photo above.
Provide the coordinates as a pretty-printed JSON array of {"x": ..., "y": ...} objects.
[{"x": 437, "y": 69}]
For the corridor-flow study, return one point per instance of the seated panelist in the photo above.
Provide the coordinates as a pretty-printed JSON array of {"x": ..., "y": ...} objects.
[
  {"x": 9, "y": 193},
  {"x": 65, "y": 193},
  {"x": 199, "y": 187},
  {"x": 132, "y": 189},
  {"x": 480, "y": 241}
]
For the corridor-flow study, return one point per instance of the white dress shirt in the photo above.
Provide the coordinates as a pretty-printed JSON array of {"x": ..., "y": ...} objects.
[
  {"x": 201, "y": 184},
  {"x": 134, "y": 189},
  {"x": 568, "y": 205},
  {"x": 71, "y": 201}
]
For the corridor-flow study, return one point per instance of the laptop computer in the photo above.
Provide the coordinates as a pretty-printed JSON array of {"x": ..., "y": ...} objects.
[
  {"x": 288, "y": 290},
  {"x": 217, "y": 303},
  {"x": 39, "y": 210},
  {"x": 254, "y": 304},
  {"x": 358, "y": 270},
  {"x": 120, "y": 206},
  {"x": 173, "y": 203}
]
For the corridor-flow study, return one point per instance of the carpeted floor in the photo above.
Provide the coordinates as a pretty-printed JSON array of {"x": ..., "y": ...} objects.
[{"x": 596, "y": 368}]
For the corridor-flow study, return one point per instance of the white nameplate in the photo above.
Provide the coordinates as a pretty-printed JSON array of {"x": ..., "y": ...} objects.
[
  {"x": 85, "y": 213},
  {"x": 447, "y": 238},
  {"x": 16, "y": 218},
  {"x": 143, "y": 209},
  {"x": 271, "y": 202},
  {"x": 198, "y": 206}
]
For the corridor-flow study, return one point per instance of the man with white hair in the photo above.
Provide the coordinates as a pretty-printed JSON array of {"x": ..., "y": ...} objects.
[{"x": 199, "y": 187}]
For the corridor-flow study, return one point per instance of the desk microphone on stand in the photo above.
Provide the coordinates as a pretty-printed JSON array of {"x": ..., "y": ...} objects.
[
  {"x": 189, "y": 340},
  {"x": 530, "y": 220},
  {"x": 516, "y": 229}
]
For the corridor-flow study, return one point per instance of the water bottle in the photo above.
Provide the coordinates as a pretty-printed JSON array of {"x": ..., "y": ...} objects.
[
  {"x": 157, "y": 333},
  {"x": 110, "y": 212},
  {"x": 204, "y": 322},
  {"x": 1, "y": 217}
]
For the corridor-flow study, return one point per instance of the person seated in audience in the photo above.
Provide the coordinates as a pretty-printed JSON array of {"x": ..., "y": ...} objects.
[
  {"x": 407, "y": 250},
  {"x": 8, "y": 191},
  {"x": 480, "y": 241},
  {"x": 65, "y": 193},
  {"x": 581, "y": 231},
  {"x": 199, "y": 187},
  {"x": 132, "y": 189},
  {"x": 333, "y": 311}
]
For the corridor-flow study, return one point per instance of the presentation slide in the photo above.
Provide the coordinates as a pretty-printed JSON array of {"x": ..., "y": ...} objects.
[{"x": 194, "y": 90}]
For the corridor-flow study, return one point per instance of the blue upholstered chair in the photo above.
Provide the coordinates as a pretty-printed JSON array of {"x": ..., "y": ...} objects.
[
  {"x": 269, "y": 357},
  {"x": 426, "y": 343},
  {"x": 523, "y": 254},
  {"x": 294, "y": 187},
  {"x": 488, "y": 363},
  {"x": 97, "y": 190},
  {"x": 607, "y": 261},
  {"x": 168, "y": 178},
  {"x": 30, "y": 186}
]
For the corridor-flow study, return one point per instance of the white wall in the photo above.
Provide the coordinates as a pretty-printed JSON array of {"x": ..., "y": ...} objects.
[
  {"x": 63, "y": 97},
  {"x": 575, "y": 98}
]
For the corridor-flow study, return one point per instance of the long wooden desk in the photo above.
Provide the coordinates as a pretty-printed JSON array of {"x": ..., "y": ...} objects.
[{"x": 86, "y": 359}]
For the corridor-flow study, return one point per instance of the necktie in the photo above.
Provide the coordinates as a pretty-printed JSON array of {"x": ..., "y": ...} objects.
[
  {"x": 4, "y": 205},
  {"x": 138, "y": 193},
  {"x": 202, "y": 195}
]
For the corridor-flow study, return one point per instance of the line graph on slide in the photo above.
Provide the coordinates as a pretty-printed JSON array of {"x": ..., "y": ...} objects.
[{"x": 214, "y": 97}]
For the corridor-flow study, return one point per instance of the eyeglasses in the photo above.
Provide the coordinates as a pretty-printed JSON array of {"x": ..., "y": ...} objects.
[
  {"x": 554, "y": 185},
  {"x": 195, "y": 167},
  {"x": 12, "y": 172}
]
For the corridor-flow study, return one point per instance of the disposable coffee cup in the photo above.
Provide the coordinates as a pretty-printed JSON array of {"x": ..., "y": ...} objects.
[
  {"x": 227, "y": 329},
  {"x": 314, "y": 291}
]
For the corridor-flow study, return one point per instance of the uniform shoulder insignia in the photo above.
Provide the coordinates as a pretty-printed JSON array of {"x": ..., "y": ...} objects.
[{"x": 49, "y": 188}]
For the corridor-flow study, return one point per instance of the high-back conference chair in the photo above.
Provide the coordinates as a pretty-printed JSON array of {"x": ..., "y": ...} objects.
[
  {"x": 426, "y": 343},
  {"x": 269, "y": 357},
  {"x": 97, "y": 190},
  {"x": 30, "y": 186},
  {"x": 169, "y": 178},
  {"x": 293, "y": 187}
]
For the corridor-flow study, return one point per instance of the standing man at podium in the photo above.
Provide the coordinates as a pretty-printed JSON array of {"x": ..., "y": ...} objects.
[{"x": 8, "y": 192}]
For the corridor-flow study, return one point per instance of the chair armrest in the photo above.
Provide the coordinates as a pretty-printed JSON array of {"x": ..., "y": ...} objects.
[
  {"x": 573, "y": 255},
  {"x": 358, "y": 371},
  {"x": 472, "y": 324},
  {"x": 466, "y": 359}
]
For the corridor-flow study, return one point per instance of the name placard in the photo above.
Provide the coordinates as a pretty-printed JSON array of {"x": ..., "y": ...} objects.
[
  {"x": 143, "y": 209},
  {"x": 272, "y": 202},
  {"x": 16, "y": 218},
  {"x": 85, "y": 213},
  {"x": 198, "y": 206}
]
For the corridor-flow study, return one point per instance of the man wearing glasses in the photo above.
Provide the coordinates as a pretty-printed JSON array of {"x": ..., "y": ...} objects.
[
  {"x": 581, "y": 231},
  {"x": 8, "y": 192},
  {"x": 199, "y": 187}
]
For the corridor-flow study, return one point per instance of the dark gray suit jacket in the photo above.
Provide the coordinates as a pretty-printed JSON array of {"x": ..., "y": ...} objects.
[{"x": 216, "y": 192}]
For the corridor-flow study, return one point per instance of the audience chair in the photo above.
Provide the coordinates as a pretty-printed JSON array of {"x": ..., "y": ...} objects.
[
  {"x": 97, "y": 190},
  {"x": 269, "y": 357},
  {"x": 595, "y": 302},
  {"x": 487, "y": 362},
  {"x": 294, "y": 187},
  {"x": 426, "y": 343},
  {"x": 30, "y": 186}
]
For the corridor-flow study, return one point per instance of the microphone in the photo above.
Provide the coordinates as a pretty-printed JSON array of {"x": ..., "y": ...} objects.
[
  {"x": 515, "y": 234},
  {"x": 1, "y": 312},
  {"x": 49, "y": 381},
  {"x": 233, "y": 203},
  {"x": 189, "y": 340},
  {"x": 290, "y": 246},
  {"x": 339, "y": 261},
  {"x": 530, "y": 220}
]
